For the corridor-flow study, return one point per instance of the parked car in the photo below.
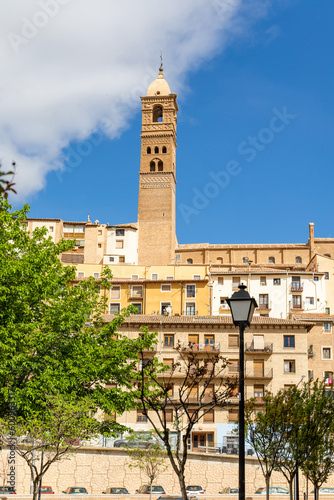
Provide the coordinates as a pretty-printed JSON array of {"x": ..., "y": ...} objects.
[
  {"x": 47, "y": 490},
  {"x": 156, "y": 490},
  {"x": 125, "y": 443},
  {"x": 194, "y": 490},
  {"x": 324, "y": 491},
  {"x": 75, "y": 490},
  {"x": 7, "y": 490},
  {"x": 116, "y": 491},
  {"x": 229, "y": 491},
  {"x": 273, "y": 490},
  {"x": 176, "y": 497}
]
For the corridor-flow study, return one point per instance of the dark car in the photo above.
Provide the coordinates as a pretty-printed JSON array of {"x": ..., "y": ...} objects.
[
  {"x": 116, "y": 491},
  {"x": 75, "y": 490},
  {"x": 176, "y": 497},
  {"x": 47, "y": 490},
  {"x": 7, "y": 490},
  {"x": 156, "y": 490}
]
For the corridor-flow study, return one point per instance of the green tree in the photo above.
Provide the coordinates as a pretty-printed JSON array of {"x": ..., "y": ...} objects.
[
  {"x": 42, "y": 439},
  {"x": 267, "y": 431},
  {"x": 150, "y": 457},
  {"x": 53, "y": 339},
  {"x": 7, "y": 185}
]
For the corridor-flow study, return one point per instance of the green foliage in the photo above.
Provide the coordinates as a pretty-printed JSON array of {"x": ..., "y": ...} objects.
[
  {"x": 53, "y": 340},
  {"x": 7, "y": 185}
]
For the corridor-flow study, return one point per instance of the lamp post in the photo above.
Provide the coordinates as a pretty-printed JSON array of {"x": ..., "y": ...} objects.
[{"x": 242, "y": 307}]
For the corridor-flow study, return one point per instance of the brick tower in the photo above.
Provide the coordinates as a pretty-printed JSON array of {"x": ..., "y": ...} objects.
[{"x": 156, "y": 203}]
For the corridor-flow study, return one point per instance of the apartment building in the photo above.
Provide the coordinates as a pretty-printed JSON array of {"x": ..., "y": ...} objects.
[{"x": 276, "y": 356}]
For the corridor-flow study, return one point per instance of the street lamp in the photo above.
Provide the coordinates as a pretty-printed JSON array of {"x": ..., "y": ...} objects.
[{"x": 242, "y": 307}]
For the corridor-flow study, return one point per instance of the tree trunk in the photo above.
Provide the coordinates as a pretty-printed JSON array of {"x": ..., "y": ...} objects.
[
  {"x": 151, "y": 490},
  {"x": 291, "y": 488},
  {"x": 36, "y": 487},
  {"x": 267, "y": 486},
  {"x": 316, "y": 492},
  {"x": 182, "y": 485}
]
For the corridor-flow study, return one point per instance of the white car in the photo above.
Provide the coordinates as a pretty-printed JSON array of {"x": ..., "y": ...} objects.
[{"x": 194, "y": 490}]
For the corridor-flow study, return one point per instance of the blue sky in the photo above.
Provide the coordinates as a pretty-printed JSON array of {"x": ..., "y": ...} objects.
[{"x": 257, "y": 102}]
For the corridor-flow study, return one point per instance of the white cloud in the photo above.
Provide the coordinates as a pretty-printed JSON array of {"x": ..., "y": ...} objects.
[{"x": 70, "y": 66}]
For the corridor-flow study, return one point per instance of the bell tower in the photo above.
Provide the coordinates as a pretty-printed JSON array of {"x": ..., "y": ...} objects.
[{"x": 156, "y": 203}]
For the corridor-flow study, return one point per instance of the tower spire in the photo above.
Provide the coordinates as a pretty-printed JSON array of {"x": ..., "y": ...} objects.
[{"x": 161, "y": 69}]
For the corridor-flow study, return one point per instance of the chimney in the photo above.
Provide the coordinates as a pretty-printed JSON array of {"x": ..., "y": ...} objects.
[{"x": 311, "y": 239}]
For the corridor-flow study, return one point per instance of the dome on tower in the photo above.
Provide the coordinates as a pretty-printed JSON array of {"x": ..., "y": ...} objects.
[{"x": 159, "y": 86}]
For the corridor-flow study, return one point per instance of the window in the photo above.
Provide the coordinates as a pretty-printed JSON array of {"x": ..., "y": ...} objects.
[
  {"x": 168, "y": 340},
  {"x": 169, "y": 415},
  {"x": 263, "y": 301},
  {"x": 328, "y": 376},
  {"x": 148, "y": 150},
  {"x": 289, "y": 366},
  {"x": 99, "y": 245},
  {"x": 51, "y": 229},
  {"x": 190, "y": 261},
  {"x": 271, "y": 260},
  {"x": 121, "y": 259},
  {"x": 233, "y": 341},
  {"x": 190, "y": 291},
  {"x": 178, "y": 257},
  {"x": 141, "y": 417},
  {"x": 223, "y": 303},
  {"x": 277, "y": 281},
  {"x": 327, "y": 327},
  {"x": 111, "y": 259},
  {"x": 233, "y": 415},
  {"x": 326, "y": 353},
  {"x": 164, "y": 149},
  {"x": 289, "y": 341},
  {"x": 235, "y": 282},
  {"x": 233, "y": 366},
  {"x": 310, "y": 301},
  {"x": 326, "y": 276},
  {"x": 258, "y": 391},
  {"x": 220, "y": 280},
  {"x": 81, "y": 274},
  {"x": 298, "y": 260},
  {"x": 119, "y": 244},
  {"x": 209, "y": 342},
  {"x": 296, "y": 301},
  {"x": 96, "y": 275},
  {"x": 296, "y": 285},
  {"x": 166, "y": 287},
  {"x": 168, "y": 362},
  {"x": 245, "y": 260},
  {"x": 169, "y": 278},
  {"x": 152, "y": 166},
  {"x": 157, "y": 114},
  {"x": 99, "y": 232},
  {"x": 196, "y": 277},
  {"x": 139, "y": 306},
  {"x": 156, "y": 150},
  {"x": 209, "y": 416},
  {"x": 165, "y": 308},
  {"x": 190, "y": 308},
  {"x": 154, "y": 277},
  {"x": 135, "y": 276},
  {"x": 327, "y": 310},
  {"x": 263, "y": 280},
  {"x": 160, "y": 166},
  {"x": 137, "y": 291},
  {"x": 114, "y": 308}
]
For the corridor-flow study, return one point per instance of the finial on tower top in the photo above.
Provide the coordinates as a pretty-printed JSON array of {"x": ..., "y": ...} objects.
[{"x": 161, "y": 64}]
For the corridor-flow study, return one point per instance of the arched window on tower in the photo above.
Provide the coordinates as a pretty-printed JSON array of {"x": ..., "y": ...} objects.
[
  {"x": 149, "y": 150},
  {"x": 160, "y": 166},
  {"x": 164, "y": 149},
  {"x": 190, "y": 261},
  {"x": 152, "y": 166},
  {"x": 156, "y": 150},
  {"x": 271, "y": 260},
  {"x": 157, "y": 114},
  {"x": 298, "y": 260}
]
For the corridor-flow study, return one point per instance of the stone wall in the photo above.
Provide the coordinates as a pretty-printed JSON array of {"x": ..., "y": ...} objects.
[{"x": 97, "y": 468}]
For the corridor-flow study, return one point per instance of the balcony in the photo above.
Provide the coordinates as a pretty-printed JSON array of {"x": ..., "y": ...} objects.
[
  {"x": 266, "y": 349},
  {"x": 296, "y": 287},
  {"x": 265, "y": 305},
  {"x": 310, "y": 351},
  {"x": 254, "y": 374},
  {"x": 190, "y": 312},
  {"x": 190, "y": 347}
]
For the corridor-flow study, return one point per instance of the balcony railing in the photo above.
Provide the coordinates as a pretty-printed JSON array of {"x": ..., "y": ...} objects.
[
  {"x": 310, "y": 350},
  {"x": 296, "y": 286},
  {"x": 266, "y": 349},
  {"x": 259, "y": 374},
  {"x": 265, "y": 305},
  {"x": 189, "y": 346},
  {"x": 190, "y": 312}
]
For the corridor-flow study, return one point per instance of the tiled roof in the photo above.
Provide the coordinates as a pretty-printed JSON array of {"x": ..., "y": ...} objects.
[
  {"x": 265, "y": 270},
  {"x": 194, "y": 246},
  {"x": 313, "y": 316},
  {"x": 217, "y": 320},
  {"x": 133, "y": 225}
]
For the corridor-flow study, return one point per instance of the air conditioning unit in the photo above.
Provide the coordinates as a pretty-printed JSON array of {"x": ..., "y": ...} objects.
[{"x": 224, "y": 306}]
